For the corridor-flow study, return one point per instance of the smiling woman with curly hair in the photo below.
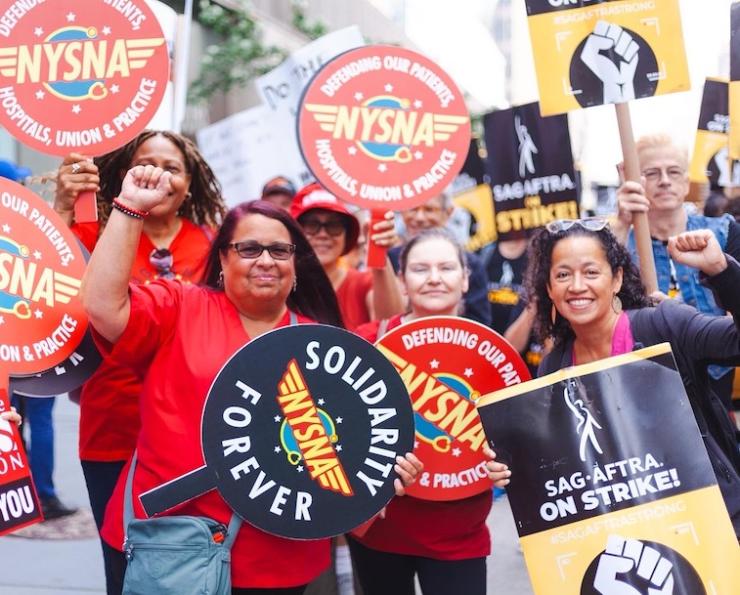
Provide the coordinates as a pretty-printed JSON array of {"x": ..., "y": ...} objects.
[{"x": 590, "y": 301}]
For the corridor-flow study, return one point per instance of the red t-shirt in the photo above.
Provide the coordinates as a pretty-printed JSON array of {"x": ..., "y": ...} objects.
[
  {"x": 451, "y": 530},
  {"x": 352, "y": 298},
  {"x": 178, "y": 337},
  {"x": 109, "y": 405}
]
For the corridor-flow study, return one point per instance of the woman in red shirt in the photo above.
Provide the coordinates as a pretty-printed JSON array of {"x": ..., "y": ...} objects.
[
  {"x": 444, "y": 543},
  {"x": 333, "y": 232},
  {"x": 179, "y": 336},
  {"x": 175, "y": 241}
]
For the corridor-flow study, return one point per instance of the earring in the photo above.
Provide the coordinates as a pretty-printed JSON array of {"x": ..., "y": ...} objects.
[
  {"x": 553, "y": 314},
  {"x": 616, "y": 304},
  {"x": 295, "y": 283},
  {"x": 188, "y": 195},
  {"x": 220, "y": 281}
]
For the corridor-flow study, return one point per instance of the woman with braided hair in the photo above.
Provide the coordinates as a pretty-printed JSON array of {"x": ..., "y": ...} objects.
[{"x": 174, "y": 244}]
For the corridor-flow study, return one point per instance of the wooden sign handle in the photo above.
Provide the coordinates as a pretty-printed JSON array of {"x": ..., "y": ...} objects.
[{"x": 639, "y": 220}]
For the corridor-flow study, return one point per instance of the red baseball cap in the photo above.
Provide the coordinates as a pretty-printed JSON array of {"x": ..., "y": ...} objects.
[{"x": 315, "y": 196}]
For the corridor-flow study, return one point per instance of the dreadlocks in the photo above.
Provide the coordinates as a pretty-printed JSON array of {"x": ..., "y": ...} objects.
[{"x": 204, "y": 204}]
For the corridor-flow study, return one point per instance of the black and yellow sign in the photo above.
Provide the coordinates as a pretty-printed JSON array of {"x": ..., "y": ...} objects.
[
  {"x": 613, "y": 492},
  {"x": 591, "y": 52},
  {"x": 734, "y": 91},
  {"x": 531, "y": 169},
  {"x": 711, "y": 160},
  {"x": 300, "y": 434}
]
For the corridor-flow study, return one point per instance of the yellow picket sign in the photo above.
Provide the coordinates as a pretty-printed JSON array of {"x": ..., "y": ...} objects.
[{"x": 610, "y": 52}]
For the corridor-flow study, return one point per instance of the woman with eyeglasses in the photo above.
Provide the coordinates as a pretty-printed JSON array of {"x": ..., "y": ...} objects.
[
  {"x": 261, "y": 272},
  {"x": 333, "y": 232},
  {"x": 174, "y": 244},
  {"x": 592, "y": 304},
  {"x": 444, "y": 544}
]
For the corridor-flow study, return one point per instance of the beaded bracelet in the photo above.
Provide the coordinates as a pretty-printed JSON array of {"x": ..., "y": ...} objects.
[{"x": 130, "y": 211}]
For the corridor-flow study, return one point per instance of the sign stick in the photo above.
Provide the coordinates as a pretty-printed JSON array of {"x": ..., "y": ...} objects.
[
  {"x": 639, "y": 220},
  {"x": 375, "y": 254},
  {"x": 86, "y": 207}
]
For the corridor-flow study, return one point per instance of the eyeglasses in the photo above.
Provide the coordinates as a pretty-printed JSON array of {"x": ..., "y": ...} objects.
[
  {"x": 589, "y": 223},
  {"x": 654, "y": 174},
  {"x": 161, "y": 259},
  {"x": 312, "y": 227},
  {"x": 251, "y": 249}
]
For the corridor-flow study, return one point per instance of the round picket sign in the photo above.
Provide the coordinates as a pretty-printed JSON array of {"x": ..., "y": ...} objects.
[
  {"x": 447, "y": 363},
  {"x": 383, "y": 127},
  {"x": 42, "y": 320},
  {"x": 300, "y": 433},
  {"x": 80, "y": 76}
]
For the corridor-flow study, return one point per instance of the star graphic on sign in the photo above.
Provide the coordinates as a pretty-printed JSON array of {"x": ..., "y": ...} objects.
[
  {"x": 276, "y": 449},
  {"x": 76, "y": 108},
  {"x": 6, "y": 228},
  {"x": 339, "y": 448},
  {"x": 418, "y": 155},
  {"x": 40, "y": 94},
  {"x": 71, "y": 17},
  {"x": 418, "y": 103},
  {"x": 114, "y": 89},
  {"x": 352, "y": 150},
  {"x": 321, "y": 401},
  {"x": 38, "y": 313},
  {"x": 276, "y": 418},
  {"x": 434, "y": 364},
  {"x": 37, "y": 255},
  {"x": 388, "y": 88},
  {"x": 38, "y": 31},
  {"x": 106, "y": 30},
  {"x": 339, "y": 420},
  {"x": 359, "y": 96},
  {"x": 382, "y": 167},
  {"x": 299, "y": 468},
  {"x": 468, "y": 372},
  {"x": 456, "y": 452}
]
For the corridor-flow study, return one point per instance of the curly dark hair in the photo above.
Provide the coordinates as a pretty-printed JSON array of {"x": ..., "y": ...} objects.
[
  {"x": 314, "y": 296},
  {"x": 204, "y": 206},
  {"x": 537, "y": 277}
]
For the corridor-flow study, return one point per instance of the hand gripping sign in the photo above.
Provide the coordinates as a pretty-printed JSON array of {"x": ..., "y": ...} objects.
[
  {"x": 300, "y": 433},
  {"x": 85, "y": 77},
  {"x": 446, "y": 364},
  {"x": 42, "y": 320},
  {"x": 383, "y": 127}
]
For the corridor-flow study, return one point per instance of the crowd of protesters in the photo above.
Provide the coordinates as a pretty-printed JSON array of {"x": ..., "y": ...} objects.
[{"x": 570, "y": 293}]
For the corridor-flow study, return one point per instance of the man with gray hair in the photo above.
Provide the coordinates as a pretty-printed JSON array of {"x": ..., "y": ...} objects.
[{"x": 664, "y": 188}]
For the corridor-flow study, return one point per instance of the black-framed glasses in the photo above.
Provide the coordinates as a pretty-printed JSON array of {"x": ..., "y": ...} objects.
[
  {"x": 161, "y": 259},
  {"x": 655, "y": 174},
  {"x": 252, "y": 249},
  {"x": 312, "y": 227},
  {"x": 589, "y": 223}
]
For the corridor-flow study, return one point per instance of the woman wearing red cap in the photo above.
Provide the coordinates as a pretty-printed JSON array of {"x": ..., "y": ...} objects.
[{"x": 332, "y": 232}]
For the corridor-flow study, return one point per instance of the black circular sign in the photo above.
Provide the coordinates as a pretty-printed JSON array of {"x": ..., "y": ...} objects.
[
  {"x": 301, "y": 429},
  {"x": 640, "y": 567},
  {"x": 617, "y": 68}
]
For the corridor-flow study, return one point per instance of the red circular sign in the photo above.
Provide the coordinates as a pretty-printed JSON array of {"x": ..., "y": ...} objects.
[
  {"x": 383, "y": 127},
  {"x": 42, "y": 320},
  {"x": 80, "y": 76},
  {"x": 446, "y": 364}
]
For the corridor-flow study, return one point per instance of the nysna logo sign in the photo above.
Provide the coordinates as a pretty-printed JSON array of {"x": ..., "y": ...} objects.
[
  {"x": 383, "y": 127},
  {"x": 80, "y": 79},
  {"x": 300, "y": 434},
  {"x": 41, "y": 266}
]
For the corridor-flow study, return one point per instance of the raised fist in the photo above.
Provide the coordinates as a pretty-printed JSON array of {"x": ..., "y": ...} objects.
[
  {"x": 618, "y": 79},
  {"x": 623, "y": 556}
]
